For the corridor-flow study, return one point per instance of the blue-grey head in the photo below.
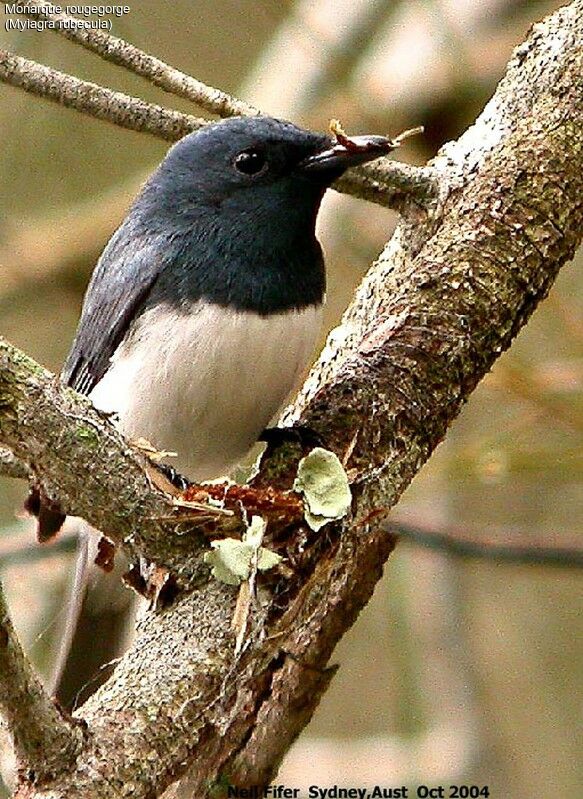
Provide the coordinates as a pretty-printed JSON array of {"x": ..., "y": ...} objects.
[
  {"x": 258, "y": 166},
  {"x": 234, "y": 207}
]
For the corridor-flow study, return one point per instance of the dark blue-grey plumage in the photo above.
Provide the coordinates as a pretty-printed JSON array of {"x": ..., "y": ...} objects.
[{"x": 201, "y": 230}]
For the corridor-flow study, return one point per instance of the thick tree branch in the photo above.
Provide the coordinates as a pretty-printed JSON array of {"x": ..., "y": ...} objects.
[
  {"x": 79, "y": 458},
  {"x": 446, "y": 297},
  {"x": 43, "y": 738}
]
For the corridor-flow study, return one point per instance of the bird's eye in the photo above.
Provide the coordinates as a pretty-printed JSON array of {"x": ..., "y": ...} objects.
[{"x": 250, "y": 162}]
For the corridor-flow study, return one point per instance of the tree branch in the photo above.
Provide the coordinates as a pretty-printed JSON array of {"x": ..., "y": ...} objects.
[
  {"x": 447, "y": 296},
  {"x": 60, "y": 437},
  {"x": 391, "y": 184},
  {"x": 451, "y": 543},
  {"x": 97, "y": 101},
  {"x": 43, "y": 738},
  {"x": 117, "y": 51}
]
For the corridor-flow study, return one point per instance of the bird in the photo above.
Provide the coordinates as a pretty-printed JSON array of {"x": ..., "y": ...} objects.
[{"x": 205, "y": 306}]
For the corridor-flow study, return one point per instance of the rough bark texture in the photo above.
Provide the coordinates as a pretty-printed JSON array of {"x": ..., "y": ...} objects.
[
  {"x": 82, "y": 461},
  {"x": 42, "y": 735},
  {"x": 446, "y": 297}
]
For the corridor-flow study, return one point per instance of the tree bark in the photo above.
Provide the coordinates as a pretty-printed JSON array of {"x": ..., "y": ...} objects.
[{"x": 446, "y": 297}]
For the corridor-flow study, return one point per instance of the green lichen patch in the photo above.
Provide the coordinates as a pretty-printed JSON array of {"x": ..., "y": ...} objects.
[
  {"x": 322, "y": 481},
  {"x": 232, "y": 561},
  {"x": 86, "y": 435}
]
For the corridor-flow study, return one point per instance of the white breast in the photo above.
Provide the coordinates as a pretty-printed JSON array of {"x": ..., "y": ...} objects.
[{"x": 204, "y": 384}]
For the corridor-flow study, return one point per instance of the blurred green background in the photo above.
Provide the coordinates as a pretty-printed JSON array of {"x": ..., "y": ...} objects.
[{"x": 458, "y": 672}]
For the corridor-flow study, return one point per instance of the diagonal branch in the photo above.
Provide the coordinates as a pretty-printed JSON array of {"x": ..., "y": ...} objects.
[
  {"x": 81, "y": 459},
  {"x": 117, "y": 51},
  {"x": 97, "y": 101},
  {"x": 43, "y": 738},
  {"x": 447, "y": 296}
]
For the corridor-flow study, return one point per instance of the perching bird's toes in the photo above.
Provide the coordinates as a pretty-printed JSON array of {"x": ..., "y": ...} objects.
[
  {"x": 178, "y": 480},
  {"x": 301, "y": 435}
]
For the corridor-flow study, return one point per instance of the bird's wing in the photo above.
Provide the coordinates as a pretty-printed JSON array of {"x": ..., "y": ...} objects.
[{"x": 121, "y": 282}]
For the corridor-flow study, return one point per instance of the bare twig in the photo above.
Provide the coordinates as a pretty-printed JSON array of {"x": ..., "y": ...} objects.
[
  {"x": 43, "y": 738},
  {"x": 452, "y": 544},
  {"x": 415, "y": 183},
  {"x": 97, "y": 101},
  {"x": 117, "y": 51}
]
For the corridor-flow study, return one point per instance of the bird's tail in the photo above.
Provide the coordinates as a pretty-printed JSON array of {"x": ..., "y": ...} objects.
[
  {"x": 97, "y": 625},
  {"x": 74, "y": 606}
]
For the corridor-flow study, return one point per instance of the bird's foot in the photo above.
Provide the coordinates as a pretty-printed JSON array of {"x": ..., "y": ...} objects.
[
  {"x": 301, "y": 435},
  {"x": 178, "y": 480}
]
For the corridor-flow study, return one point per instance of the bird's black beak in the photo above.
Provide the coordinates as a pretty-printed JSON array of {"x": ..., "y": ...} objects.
[{"x": 343, "y": 153}]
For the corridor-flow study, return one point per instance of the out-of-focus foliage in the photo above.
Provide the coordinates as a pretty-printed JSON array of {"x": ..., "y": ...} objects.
[{"x": 458, "y": 672}]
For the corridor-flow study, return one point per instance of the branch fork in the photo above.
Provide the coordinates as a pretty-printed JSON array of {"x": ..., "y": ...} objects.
[{"x": 463, "y": 280}]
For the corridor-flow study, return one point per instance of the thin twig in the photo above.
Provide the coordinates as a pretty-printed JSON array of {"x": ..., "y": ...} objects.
[
  {"x": 43, "y": 739},
  {"x": 117, "y": 51},
  {"x": 389, "y": 184},
  {"x": 97, "y": 101},
  {"x": 449, "y": 542}
]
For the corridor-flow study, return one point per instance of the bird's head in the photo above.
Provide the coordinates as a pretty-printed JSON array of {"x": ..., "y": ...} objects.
[
  {"x": 232, "y": 211},
  {"x": 258, "y": 168}
]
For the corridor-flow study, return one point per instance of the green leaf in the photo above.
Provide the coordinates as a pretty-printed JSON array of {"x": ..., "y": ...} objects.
[{"x": 324, "y": 484}]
